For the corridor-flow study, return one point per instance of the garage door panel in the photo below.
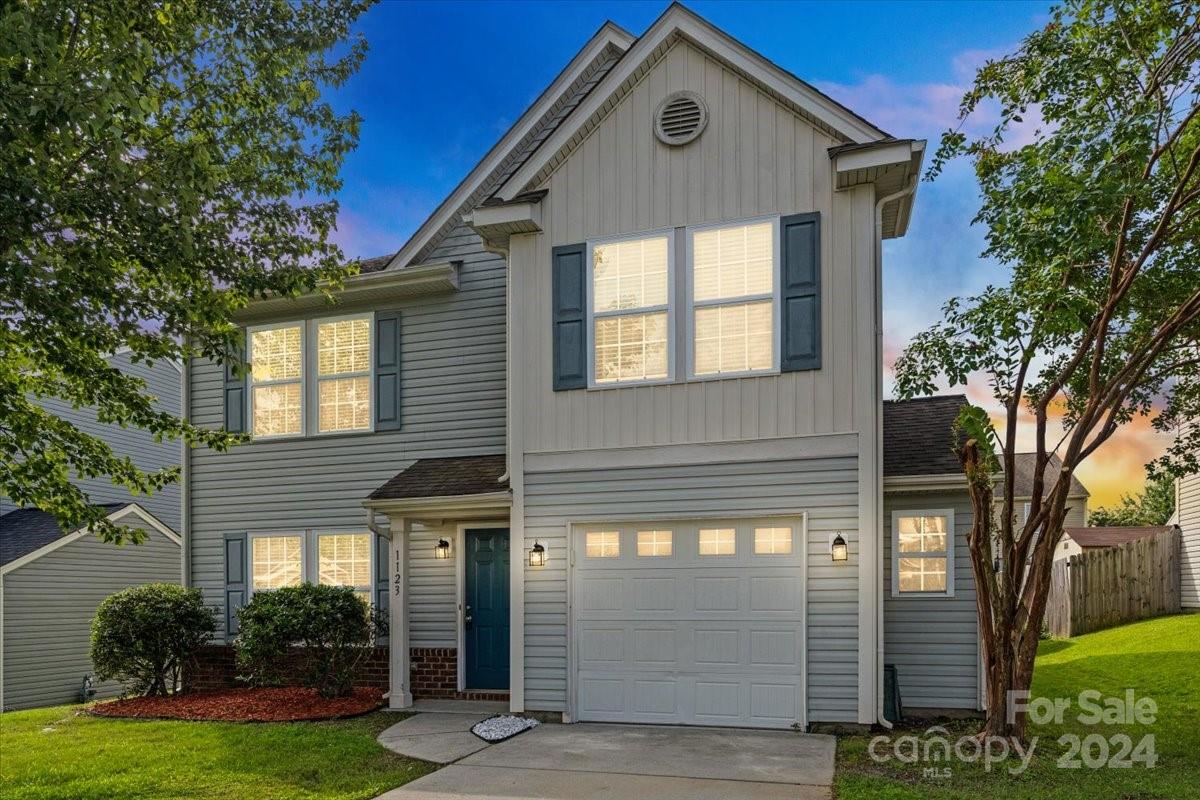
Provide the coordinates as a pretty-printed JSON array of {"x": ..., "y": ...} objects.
[{"x": 689, "y": 639}]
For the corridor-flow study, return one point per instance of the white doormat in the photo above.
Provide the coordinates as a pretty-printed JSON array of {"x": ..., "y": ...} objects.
[{"x": 499, "y": 728}]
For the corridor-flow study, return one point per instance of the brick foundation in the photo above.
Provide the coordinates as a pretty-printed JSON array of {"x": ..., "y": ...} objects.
[
  {"x": 434, "y": 672},
  {"x": 216, "y": 668}
]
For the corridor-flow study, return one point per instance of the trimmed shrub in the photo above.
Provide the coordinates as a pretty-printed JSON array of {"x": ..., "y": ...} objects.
[
  {"x": 318, "y": 635},
  {"x": 147, "y": 635}
]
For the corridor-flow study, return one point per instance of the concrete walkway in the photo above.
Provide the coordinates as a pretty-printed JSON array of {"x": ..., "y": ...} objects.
[{"x": 611, "y": 762}]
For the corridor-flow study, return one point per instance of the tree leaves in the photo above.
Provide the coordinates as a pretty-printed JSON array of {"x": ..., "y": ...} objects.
[{"x": 160, "y": 167}]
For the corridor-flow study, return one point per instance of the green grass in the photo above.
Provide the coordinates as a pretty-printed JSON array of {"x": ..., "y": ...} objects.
[
  {"x": 62, "y": 753},
  {"x": 1158, "y": 658}
]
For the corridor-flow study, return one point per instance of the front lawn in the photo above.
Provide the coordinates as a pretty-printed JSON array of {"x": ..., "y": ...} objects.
[
  {"x": 58, "y": 753},
  {"x": 1158, "y": 658}
]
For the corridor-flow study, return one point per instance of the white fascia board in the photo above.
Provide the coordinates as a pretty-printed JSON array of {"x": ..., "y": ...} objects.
[
  {"x": 527, "y": 216},
  {"x": 115, "y": 517},
  {"x": 609, "y": 34},
  {"x": 925, "y": 483},
  {"x": 678, "y": 19},
  {"x": 447, "y": 506},
  {"x": 885, "y": 154}
]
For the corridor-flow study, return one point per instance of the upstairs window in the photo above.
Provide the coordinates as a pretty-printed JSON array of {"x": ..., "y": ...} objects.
[
  {"x": 631, "y": 310},
  {"x": 311, "y": 377},
  {"x": 733, "y": 280},
  {"x": 344, "y": 375},
  {"x": 923, "y": 552}
]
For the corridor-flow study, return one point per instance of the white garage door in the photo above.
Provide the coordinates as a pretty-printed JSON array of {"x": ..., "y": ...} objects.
[{"x": 694, "y": 623}]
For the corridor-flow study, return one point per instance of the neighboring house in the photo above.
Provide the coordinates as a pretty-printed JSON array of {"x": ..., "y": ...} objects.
[
  {"x": 51, "y": 580},
  {"x": 606, "y": 436},
  {"x": 1082, "y": 540},
  {"x": 1077, "y": 497},
  {"x": 1187, "y": 517}
]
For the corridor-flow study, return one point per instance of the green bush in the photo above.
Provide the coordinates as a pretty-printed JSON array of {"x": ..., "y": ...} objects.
[
  {"x": 318, "y": 635},
  {"x": 147, "y": 635}
]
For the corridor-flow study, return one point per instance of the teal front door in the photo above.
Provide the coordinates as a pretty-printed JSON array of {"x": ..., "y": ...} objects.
[{"x": 486, "y": 613}]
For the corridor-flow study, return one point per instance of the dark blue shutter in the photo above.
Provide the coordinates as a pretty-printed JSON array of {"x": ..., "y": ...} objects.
[
  {"x": 237, "y": 580},
  {"x": 235, "y": 390},
  {"x": 800, "y": 242},
  {"x": 570, "y": 317},
  {"x": 383, "y": 553},
  {"x": 387, "y": 371}
]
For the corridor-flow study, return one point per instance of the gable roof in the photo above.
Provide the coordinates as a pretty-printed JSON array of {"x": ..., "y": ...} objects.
[
  {"x": 917, "y": 436},
  {"x": 548, "y": 111},
  {"x": 27, "y": 529},
  {"x": 446, "y": 477},
  {"x": 676, "y": 23},
  {"x": 1023, "y": 466},
  {"x": 1113, "y": 535}
]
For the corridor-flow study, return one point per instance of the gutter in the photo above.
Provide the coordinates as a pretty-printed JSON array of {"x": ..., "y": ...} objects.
[{"x": 879, "y": 596}]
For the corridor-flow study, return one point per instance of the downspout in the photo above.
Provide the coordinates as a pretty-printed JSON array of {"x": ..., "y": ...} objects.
[
  {"x": 185, "y": 476},
  {"x": 878, "y": 311}
]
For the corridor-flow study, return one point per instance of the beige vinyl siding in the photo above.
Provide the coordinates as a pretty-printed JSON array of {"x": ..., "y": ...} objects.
[
  {"x": 1188, "y": 505},
  {"x": 755, "y": 158},
  {"x": 933, "y": 641},
  {"x": 825, "y": 488},
  {"x": 452, "y": 403},
  {"x": 164, "y": 383},
  {"x": 48, "y": 608}
]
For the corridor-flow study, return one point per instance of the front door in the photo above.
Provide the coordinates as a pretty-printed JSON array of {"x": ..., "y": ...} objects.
[{"x": 486, "y": 613}]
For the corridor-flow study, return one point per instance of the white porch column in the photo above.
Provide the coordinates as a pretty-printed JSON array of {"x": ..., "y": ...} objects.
[{"x": 401, "y": 696}]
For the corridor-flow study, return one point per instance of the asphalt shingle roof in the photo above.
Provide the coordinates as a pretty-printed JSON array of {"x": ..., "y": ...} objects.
[
  {"x": 28, "y": 529},
  {"x": 446, "y": 477},
  {"x": 916, "y": 436},
  {"x": 1023, "y": 464}
]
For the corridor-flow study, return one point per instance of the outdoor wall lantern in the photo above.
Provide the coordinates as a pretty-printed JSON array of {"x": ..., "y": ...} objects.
[
  {"x": 837, "y": 548},
  {"x": 537, "y": 555},
  {"x": 442, "y": 550}
]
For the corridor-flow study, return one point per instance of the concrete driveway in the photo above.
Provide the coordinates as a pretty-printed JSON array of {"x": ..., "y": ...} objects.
[{"x": 592, "y": 761}]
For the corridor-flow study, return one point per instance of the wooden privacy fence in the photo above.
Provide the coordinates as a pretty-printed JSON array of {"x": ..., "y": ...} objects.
[{"x": 1101, "y": 588}]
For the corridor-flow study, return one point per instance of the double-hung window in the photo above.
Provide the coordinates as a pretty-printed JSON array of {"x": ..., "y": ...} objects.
[
  {"x": 343, "y": 374},
  {"x": 277, "y": 380},
  {"x": 923, "y": 552},
  {"x": 630, "y": 309},
  {"x": 733, "y": 301},
  {"x": 333, "y": 558},
  {"x": 311, "y": 377}
]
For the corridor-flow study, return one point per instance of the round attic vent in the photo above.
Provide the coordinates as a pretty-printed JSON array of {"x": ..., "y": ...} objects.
[{"x": 680, "y": 118}]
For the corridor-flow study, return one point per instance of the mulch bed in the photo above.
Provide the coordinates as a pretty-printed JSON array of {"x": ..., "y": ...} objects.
[{"x": 282, "y": 704}]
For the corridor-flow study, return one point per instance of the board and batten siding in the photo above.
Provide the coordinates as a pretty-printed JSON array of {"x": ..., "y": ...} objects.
[
  {"x": 754, "y": 158},
  {"x": 825, "y": 488},
  {"x": 933, "y": 641},
  {"x": 49, "y": 604},
  {"x": 452, "y": 378},
  {"x": 164, "y": 383},
  {"x": 1188, "y": 507}
]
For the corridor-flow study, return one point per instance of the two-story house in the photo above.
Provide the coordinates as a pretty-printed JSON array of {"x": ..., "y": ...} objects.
[{"x": 607, "y": 436}]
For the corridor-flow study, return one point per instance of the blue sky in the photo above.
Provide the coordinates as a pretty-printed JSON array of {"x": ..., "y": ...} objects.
[{"x": 443, "y": 81}]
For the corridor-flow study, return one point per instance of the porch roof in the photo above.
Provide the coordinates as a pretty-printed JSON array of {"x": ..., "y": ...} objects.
[{"x": 446, "y": 477}]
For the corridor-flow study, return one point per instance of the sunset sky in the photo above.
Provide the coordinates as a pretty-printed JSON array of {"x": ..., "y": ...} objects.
[{"x": 443, "y": 82}]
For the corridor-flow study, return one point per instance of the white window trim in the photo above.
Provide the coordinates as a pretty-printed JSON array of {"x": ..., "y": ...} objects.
[
  {"x": 589, "y": 291},
  {"x": 775, "y": 296},
  {"x": 948, "y": 513},
  {"x": 309, "y": 554},
  {"x": 312, "y": 388},
  {"x": 310, "y": 379},
  {"x": 253, "y": 383}
]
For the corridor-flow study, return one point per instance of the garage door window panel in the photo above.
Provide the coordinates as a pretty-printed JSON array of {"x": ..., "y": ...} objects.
[
  {"x": 656, "y": 543},
  {"x": 718, "y": 541},
  {"x": 603, "y": 544}
]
